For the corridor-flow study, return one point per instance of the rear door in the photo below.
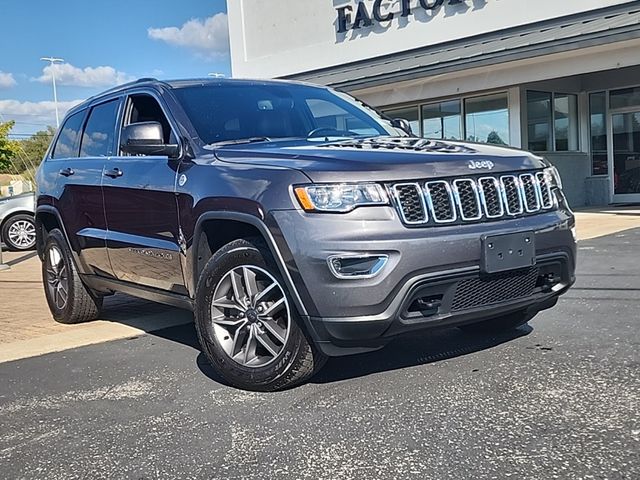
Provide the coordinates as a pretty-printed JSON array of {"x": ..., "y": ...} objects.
[
  {"x": 79, "y": 162},
  {"x": 143, "y": 239}
]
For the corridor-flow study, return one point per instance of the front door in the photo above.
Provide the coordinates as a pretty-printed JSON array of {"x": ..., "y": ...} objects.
[
  {"x": 143, "y": 237},
  {"x": 625, "y": 156}
]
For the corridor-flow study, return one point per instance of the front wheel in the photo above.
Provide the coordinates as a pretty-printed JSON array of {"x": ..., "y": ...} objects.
[
  {"x": 19, "y": 233},
  {"x": 246, "y": 323}
]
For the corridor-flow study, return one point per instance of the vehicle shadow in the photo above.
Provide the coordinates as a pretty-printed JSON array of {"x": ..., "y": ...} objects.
[
  {"x": 403, "y": 352},
  {"x": 411, "y": 351}
]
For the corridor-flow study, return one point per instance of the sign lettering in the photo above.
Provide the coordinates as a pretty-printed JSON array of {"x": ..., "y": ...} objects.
[{"x": 355, "y": 17}]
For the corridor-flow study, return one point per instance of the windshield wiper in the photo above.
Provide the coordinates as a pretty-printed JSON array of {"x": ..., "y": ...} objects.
[{"x": 238, "y": 141}]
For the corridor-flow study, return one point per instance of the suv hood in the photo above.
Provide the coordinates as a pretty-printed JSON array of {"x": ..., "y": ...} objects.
[{"x": 381, "y": 158}]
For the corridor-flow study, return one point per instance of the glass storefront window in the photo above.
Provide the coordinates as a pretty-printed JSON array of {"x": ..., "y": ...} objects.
[
  {"x": 487, "y": 119},
  {"x": 552, "y": 122},
  {"x": 627, "y": 97},
  {"x": 410, "y": 114},
  {"x": 539, "y": 121},
  {"x": 598, "y": 133},
  {"x": 565, "y": 120},
  {"x": 442, "y": 120}
]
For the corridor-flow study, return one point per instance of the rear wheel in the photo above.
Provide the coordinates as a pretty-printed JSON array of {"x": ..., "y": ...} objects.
[
  {"x": 246, "y": 323},
  {"x": 19, "y": 233},
  {"x": 503, "y": 323},
  {"x": 70, "y": 301}
]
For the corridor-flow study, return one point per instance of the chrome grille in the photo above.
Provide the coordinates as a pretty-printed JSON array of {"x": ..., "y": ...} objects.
[
  {"x": 490, "y": 195},
  {"x": 545, "y": 190},
  {"x": 473, "y": 199},
  {"x": 511, "y": 194},
  {"x": 467, "y": 198},
  {"x": 411, "y": 202},
  {"x": 441, "y": 202}
]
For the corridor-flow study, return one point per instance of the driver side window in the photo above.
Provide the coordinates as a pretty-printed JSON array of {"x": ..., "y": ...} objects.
[{"x": 145, "y": 108}]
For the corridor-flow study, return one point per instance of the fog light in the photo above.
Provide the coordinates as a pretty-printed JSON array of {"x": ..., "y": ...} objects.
[{"x": 356, "y": 266}]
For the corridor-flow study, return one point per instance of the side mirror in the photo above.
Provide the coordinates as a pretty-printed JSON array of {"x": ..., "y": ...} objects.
[
  {"x": 402, "y": 124},
  {"x": 146, "y": 138}
]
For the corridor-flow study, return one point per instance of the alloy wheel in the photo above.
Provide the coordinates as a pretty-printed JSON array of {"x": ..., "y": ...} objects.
[
  {"x": 22, "y": 234},
  {"x": 57, "y": 277},
  {"x": 250, "y": 316}
]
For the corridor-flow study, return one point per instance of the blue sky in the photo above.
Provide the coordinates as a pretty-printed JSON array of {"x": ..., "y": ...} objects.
[{"x": 103, "y": 43}]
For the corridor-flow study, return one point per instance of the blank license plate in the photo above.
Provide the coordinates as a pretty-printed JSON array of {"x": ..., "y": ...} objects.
[{"x": 508, "y": 252}]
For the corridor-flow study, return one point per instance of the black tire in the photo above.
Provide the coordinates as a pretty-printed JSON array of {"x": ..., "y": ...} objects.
[
  {"x": 80, "y": 304},
  {"x": 297, "y": 360},
  {"x": 504, "y": 323},
  {"x": 21, "y": 219}
]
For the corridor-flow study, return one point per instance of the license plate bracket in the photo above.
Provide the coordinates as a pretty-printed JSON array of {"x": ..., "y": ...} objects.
[{"x": 510, "y": 251}]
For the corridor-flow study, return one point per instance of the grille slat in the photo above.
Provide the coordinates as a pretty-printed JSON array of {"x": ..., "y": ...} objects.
[
  {"x": 473, "y": 199},
  {"x": 441, "y": 202},
  {"x": 410, "y": 202}
]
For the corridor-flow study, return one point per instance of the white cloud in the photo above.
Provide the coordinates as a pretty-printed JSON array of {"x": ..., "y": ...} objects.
[
  {"x": 36, "y": 113},
  {"x": 208, "y": 37},
  {"x": 7, "y": 80},
  {"x": 67, "y": 74}
]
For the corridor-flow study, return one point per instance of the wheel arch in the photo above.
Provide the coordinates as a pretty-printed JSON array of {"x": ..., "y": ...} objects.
[
  {"x": 48, "y": 218},
  {"x": 235, "y": 225}
]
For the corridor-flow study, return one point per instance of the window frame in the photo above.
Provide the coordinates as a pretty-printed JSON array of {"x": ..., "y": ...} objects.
[
  {"x": 552, "y": 119},
  {"x": 90, "y": 108},
  {"x": 462, "y": 100},
  {"x": 125, "y": 113},
  {"x": 54, "y": 143}
]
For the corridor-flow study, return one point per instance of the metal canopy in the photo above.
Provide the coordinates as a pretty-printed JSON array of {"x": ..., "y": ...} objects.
[{"x": 599, "y": 27}]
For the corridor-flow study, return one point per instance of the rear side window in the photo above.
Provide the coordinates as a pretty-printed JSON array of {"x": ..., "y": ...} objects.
[
  {"x": 97, "y": 139},
  {"x": 69, "y": 139}
]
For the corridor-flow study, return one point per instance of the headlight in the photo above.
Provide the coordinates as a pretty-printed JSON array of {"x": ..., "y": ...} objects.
[
  {"x": 554, "y": 176},
  {"x": 341, "y": 197}
]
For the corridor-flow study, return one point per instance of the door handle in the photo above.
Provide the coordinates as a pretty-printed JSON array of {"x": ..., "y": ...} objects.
[
  {"x": 113, "y": 173},
  {"x": 66, "y": 172}
]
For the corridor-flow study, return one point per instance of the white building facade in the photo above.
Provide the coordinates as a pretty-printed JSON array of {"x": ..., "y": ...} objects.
[{"x": 560, "y": 78}]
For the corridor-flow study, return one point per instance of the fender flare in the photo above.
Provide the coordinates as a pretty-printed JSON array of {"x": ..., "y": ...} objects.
[
  {"x": 267, "y": 236},
  {"x": 41, "y": 241}
]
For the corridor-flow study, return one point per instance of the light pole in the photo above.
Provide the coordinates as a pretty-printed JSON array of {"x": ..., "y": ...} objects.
[{"x": 53, "y": 61}]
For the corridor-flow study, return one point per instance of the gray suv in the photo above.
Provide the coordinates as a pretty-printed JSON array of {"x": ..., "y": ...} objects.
[{"x": 294, "y": 221}]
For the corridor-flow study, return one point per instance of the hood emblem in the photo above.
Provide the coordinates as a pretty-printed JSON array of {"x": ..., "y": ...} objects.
[
  {"x": 182, "y": 180},
  {"x": 479, "y": 165}
]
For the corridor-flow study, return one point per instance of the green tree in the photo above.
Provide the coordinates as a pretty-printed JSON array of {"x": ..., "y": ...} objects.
[
  {"x": 8, "y": 148},
  {"x": 33, "y": 149},
  {"x": 495, "y": 138}
]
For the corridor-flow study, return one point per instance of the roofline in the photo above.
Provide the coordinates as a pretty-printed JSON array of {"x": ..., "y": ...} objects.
[{"x": 171, "y": 84}]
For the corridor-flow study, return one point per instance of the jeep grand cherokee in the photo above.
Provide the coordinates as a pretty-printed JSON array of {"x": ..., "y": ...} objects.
[{"x": 294, "y": 221}]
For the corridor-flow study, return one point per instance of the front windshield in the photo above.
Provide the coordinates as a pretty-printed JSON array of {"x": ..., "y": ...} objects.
[{"x": 226, "y": 112}]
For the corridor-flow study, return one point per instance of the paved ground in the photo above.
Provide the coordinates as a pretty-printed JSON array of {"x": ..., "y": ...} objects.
[{"x": 558, "y": 399}]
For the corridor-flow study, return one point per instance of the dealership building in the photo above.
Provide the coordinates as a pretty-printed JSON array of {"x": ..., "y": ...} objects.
[{"x": 557, "y": 77}]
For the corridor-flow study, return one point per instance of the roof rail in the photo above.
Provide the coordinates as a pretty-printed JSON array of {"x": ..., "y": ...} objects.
[{"x": 145, "y": 79}]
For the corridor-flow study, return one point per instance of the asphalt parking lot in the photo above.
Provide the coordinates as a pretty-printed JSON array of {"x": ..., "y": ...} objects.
[{"x": 557, "y": 399}]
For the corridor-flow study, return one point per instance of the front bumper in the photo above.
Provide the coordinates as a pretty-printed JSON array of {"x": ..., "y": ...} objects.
[{"x": 350, "y": 316}]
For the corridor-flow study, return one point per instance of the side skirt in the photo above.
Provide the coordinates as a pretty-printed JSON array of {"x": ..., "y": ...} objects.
[{"x": 108, "y": 285}]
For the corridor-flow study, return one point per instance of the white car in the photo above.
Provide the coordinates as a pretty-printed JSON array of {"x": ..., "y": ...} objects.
[{"x": 17, "y": 223}]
